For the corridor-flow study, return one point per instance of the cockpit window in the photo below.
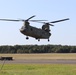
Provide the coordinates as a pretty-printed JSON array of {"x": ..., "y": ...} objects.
[{"x": 23, "y": 27}]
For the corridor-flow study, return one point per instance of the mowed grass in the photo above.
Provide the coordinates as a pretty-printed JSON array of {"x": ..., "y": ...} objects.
[
  {"x": 38, "y": 69},
  {"x": 42, "y": 56}
]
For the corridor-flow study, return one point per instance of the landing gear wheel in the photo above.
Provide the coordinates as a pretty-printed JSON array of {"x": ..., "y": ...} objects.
[
  {"x": 48, "y": 40},
  {"x": 27, "y": 37},
  {"x": 38, "y": 39}
]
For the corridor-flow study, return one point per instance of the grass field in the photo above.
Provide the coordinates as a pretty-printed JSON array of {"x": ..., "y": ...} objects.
[
  {"x": 38, "y": 69},
  {"x": 42, "y": 56}
]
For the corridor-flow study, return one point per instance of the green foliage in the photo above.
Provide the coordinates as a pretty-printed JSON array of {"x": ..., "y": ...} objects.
[{"x": 38, "y": 49}]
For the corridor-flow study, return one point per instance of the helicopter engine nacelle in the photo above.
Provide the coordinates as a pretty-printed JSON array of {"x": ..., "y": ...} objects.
[{"x": 46, "y": 28}]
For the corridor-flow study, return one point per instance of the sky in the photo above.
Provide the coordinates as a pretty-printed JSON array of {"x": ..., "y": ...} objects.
[{"x": 63, "y": 33}]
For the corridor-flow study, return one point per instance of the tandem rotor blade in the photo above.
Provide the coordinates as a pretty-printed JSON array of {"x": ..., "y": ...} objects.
[
  {"x": 21, "y": 20},
  {"x": 51, "y": 24},
  {"x": 30, "y": 17},
  {"x": 59, "y": 20},
  {"x": 17, "y": 20},
  {"x": 37, "y": 20},
  {"x": 9, "y": 20}
]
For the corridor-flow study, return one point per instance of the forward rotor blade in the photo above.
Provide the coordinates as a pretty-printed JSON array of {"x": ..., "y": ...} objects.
[
  {"x": 21, "y": 20},
  {"x": 37, "y": 20},
  {"x": 9, "y": 20},
  {"x": 59, "y": 20},
  {"x": 30, "y": 17}
]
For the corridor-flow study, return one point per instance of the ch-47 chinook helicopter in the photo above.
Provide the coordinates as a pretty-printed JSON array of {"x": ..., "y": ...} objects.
[{"x": 37, "y": 33}]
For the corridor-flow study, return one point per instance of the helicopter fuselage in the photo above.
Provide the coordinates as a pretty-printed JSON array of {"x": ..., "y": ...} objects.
[
  {"x": 37, "y": 33},
  {"x": 34, "y": 32}
]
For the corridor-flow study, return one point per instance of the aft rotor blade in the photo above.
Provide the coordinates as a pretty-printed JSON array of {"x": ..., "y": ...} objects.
[
  {"x": 9, "y": 20},
  {"x": 59, "y": 20},
  {"x": 30, "y": 17},
  {"x": 51, "y": 24}
]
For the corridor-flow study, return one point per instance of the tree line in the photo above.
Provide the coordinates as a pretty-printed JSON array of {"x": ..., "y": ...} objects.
[{"x": 37, "y": 49}]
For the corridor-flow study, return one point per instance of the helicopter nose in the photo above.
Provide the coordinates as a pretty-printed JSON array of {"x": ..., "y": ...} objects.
[{"x": 22, "y": 30}]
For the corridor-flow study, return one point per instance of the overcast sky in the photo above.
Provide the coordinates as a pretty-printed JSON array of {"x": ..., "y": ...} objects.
[{"x": 63, "y": 33}]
